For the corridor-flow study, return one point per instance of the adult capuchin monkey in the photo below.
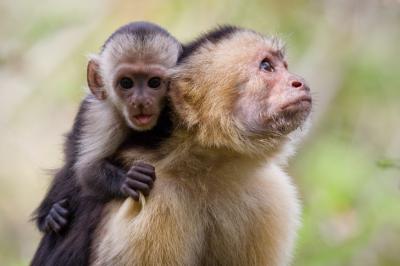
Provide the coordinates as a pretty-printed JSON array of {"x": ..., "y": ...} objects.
[
  {"x": 221, "y": 196},
  {"x": 127, "y": 108}
]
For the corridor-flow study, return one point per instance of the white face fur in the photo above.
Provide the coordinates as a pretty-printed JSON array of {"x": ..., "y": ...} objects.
[{"x": 133, "y": 76}]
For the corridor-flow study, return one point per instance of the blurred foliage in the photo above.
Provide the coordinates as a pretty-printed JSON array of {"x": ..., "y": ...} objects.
[
  {"x": 347, "y": 169},
  {"x": 388, "y": 163}
]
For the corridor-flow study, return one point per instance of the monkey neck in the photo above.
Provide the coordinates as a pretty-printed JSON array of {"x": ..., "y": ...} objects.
[
  {"x": 182, "y": 154},
  {"x": 153, "y": 138}
]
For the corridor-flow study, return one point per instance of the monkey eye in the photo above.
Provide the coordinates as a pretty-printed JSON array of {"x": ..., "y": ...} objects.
[
  {"x": 266, "y": 66},
  {"x": 126, "y": 83},
  {"x": 154, "y": 82}
]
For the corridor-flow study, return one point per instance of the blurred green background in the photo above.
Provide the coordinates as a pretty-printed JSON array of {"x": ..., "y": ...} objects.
[{"x": 347, "y": 169}]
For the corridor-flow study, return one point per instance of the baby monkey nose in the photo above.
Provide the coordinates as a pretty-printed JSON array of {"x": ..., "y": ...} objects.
[
  {"x": 147, "y": 103},
  {"x": 143, "y": 104}
]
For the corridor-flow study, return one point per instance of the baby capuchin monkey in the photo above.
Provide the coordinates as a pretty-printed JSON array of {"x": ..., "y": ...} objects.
[{"x": 126, "y": 108}]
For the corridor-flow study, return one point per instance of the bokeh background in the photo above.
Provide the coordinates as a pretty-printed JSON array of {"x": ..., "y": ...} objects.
[{"x": 347, "y": 170}]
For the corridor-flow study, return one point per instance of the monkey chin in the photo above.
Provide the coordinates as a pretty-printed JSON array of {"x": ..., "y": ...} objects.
[
  {"x": 283, "y": 121},
  {"x": 292, "y": 115}
]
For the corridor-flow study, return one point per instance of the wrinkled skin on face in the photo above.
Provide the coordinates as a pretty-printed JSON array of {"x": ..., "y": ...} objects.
[
  {"x": 244, "y": 99},
  {"x": 273, "y": 100}
]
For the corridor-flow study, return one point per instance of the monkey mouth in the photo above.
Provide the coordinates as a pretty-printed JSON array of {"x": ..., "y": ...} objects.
[
  {"x": 143, "y": 119},
  {"x": 292, "y": 114},
  {"x": 302, "y": 103}
]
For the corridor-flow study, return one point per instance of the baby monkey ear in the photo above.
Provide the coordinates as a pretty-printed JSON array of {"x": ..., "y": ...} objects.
[{"x": 94, "y": 80}]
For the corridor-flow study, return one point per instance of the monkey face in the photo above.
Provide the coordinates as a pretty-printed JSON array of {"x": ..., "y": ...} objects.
[
  {"x": 137, "y": 90},
  {"x": 140, "y": 91},
  {"x": 236, "y": 92},
  {"x": 130, "y": 72},
  {"x": 273, "y": 101}
]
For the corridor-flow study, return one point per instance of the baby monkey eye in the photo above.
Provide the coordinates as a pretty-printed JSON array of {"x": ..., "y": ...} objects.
[
  {"x": 154, "y": 82},
  {"x": 126, "y": 83},
  {"x": 266, "y": 66}
]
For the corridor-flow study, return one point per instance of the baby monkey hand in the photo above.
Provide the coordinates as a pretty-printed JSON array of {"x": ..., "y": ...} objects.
[
  {"x": 57, "y": 218},
  {"x": 140, "y": 178}
]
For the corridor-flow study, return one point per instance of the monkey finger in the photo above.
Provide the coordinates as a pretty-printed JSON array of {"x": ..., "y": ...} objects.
[
  {"x": 63, "y": 203},
  {"x": 136, "y": 185},
  {"x": 144, "y": 165},
  {"x": 60, "y": 210},
  {"x": 58, "y": 218},
  {"x": 146, "y": 171},
  {"x": 128, "y": 192},
  {"x": 140, "y": 177},
  {"x": 137, "y": 168},
  {"x": 131, "y": 193},
  {"x": 53, "y": 224}
]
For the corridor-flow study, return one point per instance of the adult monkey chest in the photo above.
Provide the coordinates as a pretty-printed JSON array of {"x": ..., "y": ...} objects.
[{"x": 189, "y": 220}]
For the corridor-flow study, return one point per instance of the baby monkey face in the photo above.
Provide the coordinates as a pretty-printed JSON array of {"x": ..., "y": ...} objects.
[
  {"x": 141, "y": 91},
  {"x": 137, "y": 90}
]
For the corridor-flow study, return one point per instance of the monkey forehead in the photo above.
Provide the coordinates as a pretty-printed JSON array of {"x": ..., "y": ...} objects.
[
  {"x": 140, "y": 68},
  {"x": 251, "y": 39},
  {"x": 231, "y": 60},
  {"x": 153, "y": 49},
  {"x": 238, "y": 48},
  {"x": 243, "y": 48}
]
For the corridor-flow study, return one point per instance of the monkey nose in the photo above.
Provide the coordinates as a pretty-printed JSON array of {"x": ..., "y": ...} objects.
[
  {"x": 296, "y": 84},
  {"x": 147, "y": 103},
  {"x": 299, "y": 85}
]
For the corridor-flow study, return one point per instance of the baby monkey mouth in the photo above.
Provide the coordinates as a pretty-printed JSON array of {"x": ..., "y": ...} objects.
[{"x": 143, "y": 119}]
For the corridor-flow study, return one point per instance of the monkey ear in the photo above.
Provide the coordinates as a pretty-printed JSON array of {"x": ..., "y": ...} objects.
[{"x": 94, "y": 80}]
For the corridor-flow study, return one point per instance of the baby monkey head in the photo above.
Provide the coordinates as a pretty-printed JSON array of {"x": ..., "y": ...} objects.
[
  {"x": 131, "y": 72},
  {"x": 232, "y": 88}
]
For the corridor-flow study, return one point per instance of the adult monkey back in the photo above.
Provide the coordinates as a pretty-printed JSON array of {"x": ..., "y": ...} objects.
[{"x": 221, "y": 197}]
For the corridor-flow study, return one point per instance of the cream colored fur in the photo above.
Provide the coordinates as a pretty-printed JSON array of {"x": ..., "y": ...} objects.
[
  {"x": 103, "y": 130},
  {"x": 225, "y": 211}
]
